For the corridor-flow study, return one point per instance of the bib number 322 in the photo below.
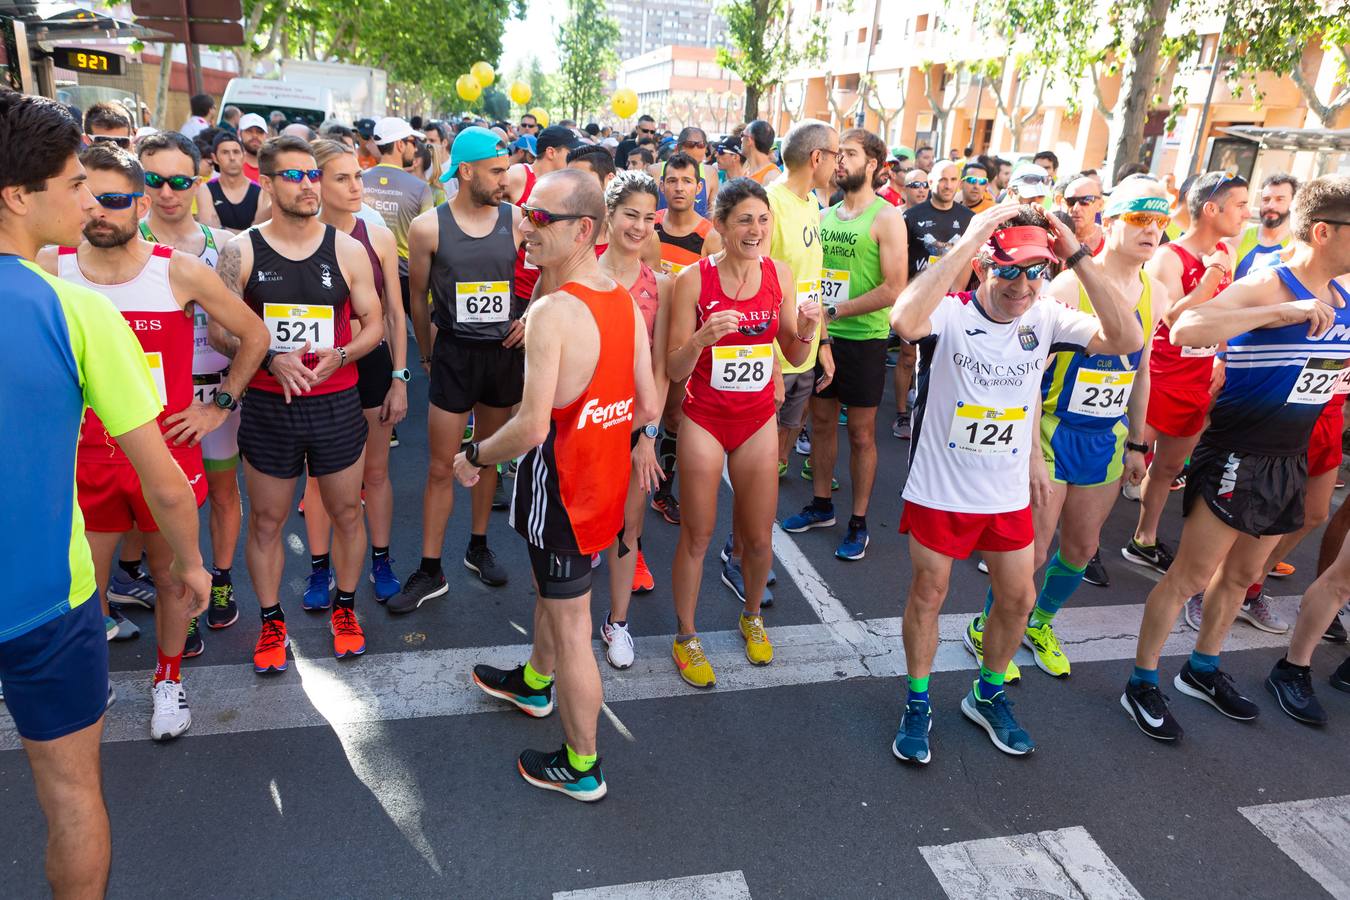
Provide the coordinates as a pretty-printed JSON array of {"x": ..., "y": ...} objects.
[
  {"x": 1317, "y": 381},
  {"x": 988, "y": 431}
]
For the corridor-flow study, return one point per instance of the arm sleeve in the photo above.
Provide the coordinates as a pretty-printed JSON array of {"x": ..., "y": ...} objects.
[{"x": 113, "y": 372}]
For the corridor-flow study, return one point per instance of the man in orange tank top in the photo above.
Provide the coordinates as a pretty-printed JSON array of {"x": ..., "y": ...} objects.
[{"x": 588, "y": 385}]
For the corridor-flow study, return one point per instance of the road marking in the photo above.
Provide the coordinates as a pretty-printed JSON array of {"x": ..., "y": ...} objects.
[
  {"x": 722, "y": 886},
  {"x": 1313, "y": 833},
  {"x": 1063, "y": 863}
]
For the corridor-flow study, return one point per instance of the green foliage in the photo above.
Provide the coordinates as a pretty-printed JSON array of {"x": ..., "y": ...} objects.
[
  {"x": 587, "y": 44},
  {"x": 765, "y": 46},
  {"x": 1272, "y": 35}
]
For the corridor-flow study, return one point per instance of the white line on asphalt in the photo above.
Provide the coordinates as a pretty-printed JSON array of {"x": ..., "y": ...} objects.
[
  {"x": 1313, "y": 833},
  {"x": 1062, "y": 863},
  {"x": 276, "y": 795},
  {"x": 721, "y": 886},
  {"x": 614, "y": 720}
]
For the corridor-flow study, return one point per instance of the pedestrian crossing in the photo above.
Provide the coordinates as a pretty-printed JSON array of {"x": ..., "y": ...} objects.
[
  {"x": 1313, "y": 833},
  {"x": 1065, "y": 862}
]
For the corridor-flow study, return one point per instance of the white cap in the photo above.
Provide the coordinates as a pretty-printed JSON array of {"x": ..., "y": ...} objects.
[
  {"x": 1030, "y": 181},
  {"x": 145, "y": 131},
  {"x": 391, "y": 129},
  {"x": 251, "y": 120}
]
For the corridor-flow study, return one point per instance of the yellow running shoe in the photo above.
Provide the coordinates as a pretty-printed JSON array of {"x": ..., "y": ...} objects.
[
  {"x": 1045, "y": 647},
  {"x": 757, "y": 647},
  {"x": 693, "y": 665},
  {"x": 974, "y": 641}
]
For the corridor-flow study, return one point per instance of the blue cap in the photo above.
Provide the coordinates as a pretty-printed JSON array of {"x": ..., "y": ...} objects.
[
  {"x": 471, "y": 145},
  {"x": 528, "y": 143}
]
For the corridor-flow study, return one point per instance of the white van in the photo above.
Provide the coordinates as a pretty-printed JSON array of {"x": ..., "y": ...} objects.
[{"x": 298, "y": 102}]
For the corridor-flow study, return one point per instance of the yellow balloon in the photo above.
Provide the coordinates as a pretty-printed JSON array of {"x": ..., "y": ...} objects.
[
  {"x": 468, "y": 88},
  {"x": 624, "y": 102},
  {"x": 483, "y": 74},
  {"x": 520, "y": 93},
  {"x": 540, "y": 115}
]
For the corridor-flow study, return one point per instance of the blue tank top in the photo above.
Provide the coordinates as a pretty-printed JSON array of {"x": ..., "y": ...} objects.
[{"x": 1278, "y": 380}]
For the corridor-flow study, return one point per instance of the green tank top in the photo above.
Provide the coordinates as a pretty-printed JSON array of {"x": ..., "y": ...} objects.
[{"x": 852, "y": 267}]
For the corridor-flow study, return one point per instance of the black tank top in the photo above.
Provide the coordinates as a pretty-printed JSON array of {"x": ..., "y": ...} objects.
[
  {"x": 362, "y": 233},
  {"x": 693, "y": 241},
  {"x": 235, "y": 216},
  {"x": 471, "y": 279}
]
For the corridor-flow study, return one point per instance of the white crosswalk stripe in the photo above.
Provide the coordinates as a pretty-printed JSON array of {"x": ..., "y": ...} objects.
[
  {"x": 1065, "y": 863},
  {"x": 1313, "y": 833},
  {"x": 721, "y": 886}
]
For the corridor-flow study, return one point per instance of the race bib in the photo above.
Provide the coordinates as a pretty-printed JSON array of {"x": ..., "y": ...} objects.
[
  {"x": 988, "y": 430},
  {"x": 205, "y": 387},
  {"x": 742, "y": 369},
  {"x": 482, "y": 302},
  {"x": 1193, "y": 352},
  {"x": 1343, "y": 383},
  {"x": 290, "y": 326},
  {"x": 672, "y": 268},
  {"x": 808, "y": 290},
  {"x": 1102, "y": 395},
  {"x": 156, "y": 363},
  {"x": 1317, "y": 381},
  {"x": 834, "y": 286}
]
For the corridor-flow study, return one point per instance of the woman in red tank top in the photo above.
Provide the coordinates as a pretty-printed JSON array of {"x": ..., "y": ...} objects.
[{"x": 725, "y": 315}]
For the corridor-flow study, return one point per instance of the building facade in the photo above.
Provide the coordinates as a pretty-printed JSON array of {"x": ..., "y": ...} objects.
[
  {"x": 646, "y": 25},
  {"x": 685, "y": 86}
]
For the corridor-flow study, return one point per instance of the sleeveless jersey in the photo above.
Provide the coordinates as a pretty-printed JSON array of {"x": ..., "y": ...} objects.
[
  {"x": 1089, "y": 393},
  {"x": 1278, "y": 380},
  {"x": 165, "y": 333},
  {"x": 1252, "y": 254},
  {"x": 648, "y": 299},
  {"x": 733, "y": 379},
  {"x": 678, "y": 253},
  {"x": 763, "y": 173},
  {"x": 1187, "y": 368},
  {"x": 235, "y": 216},
  {"x": 851, "y": 268},
  {"x": 530, "y": 179},
  {"x": 558, "y": 503},
  {"x": 206, "y": 360},
  {"x": 471, "y": 279},
  {"x": 362, "y": 233},
  {"x": 301, "y": 301}
]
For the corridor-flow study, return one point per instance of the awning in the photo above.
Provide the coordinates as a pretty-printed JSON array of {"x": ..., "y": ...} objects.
[
  {"x": 83, "y": 24},
  {"x": 1316, "y": 140}
]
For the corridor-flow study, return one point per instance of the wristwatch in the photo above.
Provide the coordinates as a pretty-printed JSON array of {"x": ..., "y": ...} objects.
[
  {"x": 650, "y": 431},
  {"x": 471, "y": 454},
  {"x": 1077, "y": 256},
  {"x": 831, "y": 312},
  {"x": 225, "y": 400},
  {"x": 402, "y": 374},
  {"x": 267, "y": 361},
  {"x": 1137, "y": 448}
]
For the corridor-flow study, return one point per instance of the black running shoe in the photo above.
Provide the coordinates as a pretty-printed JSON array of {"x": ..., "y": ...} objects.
[
  {"x": 1293, "y": 690},
  {"x": 1148, "y": 707},
  {"x": 509, "y": 685},
  {"x": 1217, "y": 689},
  {"x": 667, "y": 506},
  {"x": 483, "y": 563},
  {"x": 499, "y": 500},
  {"x": 1095, "y": 573},
  {"x": 419, "y": 588},
  {"x": 222, "y": 611},
  {"x": 393, "y": 437},
  {"x": 552, "y": 772},
  {"x": 194, "y": 645},
  {"x": 1335, "y": 632},
  {"x": 1157, "y": 557},
  {"x": 1340, "y": 679}
]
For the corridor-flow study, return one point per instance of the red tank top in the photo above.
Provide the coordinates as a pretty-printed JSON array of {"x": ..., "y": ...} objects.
[
  {"x": 1182, "y": 368},
  {"x": 645, "y": 293},
  {"x": 530, "y": 179},
  {"x": 733, "y": 379},
  {"x": 166, "y": 335},
  {"x": 362, "y": 234}
]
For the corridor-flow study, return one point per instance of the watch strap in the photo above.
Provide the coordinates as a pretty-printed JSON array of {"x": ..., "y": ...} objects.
[
  {"x": 1077, "y": 256},
  {"x": 1137, "y": 448}
]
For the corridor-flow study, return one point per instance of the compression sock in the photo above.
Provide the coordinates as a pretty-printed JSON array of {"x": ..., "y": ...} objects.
[
  {"x": 1061, "y": 580},
  {"x": 990, "y": 683},
  {"x": 1144, "y": 676},
  {"x": 580, "y": 762},
  {"x": 918, "y": 689},
  {"x": 1203, "y": 663},
  {"x": 534, "y": 679},
  {"x": 988, "y": 608},
  {"x": 130, "y": 567},
  {"x": 344, "y": 600},
  {"x": 378, "y": 553},
  {"x": 319, "y": 562},
  {"x": 431, "y": 565},
  {"x": 220, "y": 577},
  {"x": 167, "y": 667},
  {"x": 274, "y": 614}
]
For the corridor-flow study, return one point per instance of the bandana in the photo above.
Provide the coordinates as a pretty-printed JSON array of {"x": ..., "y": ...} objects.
[{"x": 1138, "y": 204}]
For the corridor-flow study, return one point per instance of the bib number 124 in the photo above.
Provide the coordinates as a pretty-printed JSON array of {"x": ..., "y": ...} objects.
[{"x": 987, "y": 431}]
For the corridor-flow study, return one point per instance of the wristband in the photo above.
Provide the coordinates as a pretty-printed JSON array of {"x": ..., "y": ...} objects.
[
  {"x": 1223, "y": 273},
  {"x": 1077, "y": 256},
  {"x": 267, "y": 361},
  {"x": 1137, "y": 448},
  {"x": 342, "y": 352},
  {"x": 471, "y": 454}
]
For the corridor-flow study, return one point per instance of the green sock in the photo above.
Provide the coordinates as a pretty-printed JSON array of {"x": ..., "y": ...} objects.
[
  {"x": 534, "y": 679},
  {"x": 580, "y": 762},
  {"x": 918, "y": 685}
]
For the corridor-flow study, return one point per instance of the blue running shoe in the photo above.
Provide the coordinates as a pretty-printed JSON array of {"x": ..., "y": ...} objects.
[
  {"x": 125, "y": 591},
  {"x": 319, "y": 593},
  {"x": 732, "y": 578},
  {"x": 383, "y": 577},
  {"x": 996, "y": 718},
  {"x": 911, "y": 741},
  {"x": 854, "y": 544},
  {"x": 553, "y": 772},
  {"x": 726, "y": 557},
  {"x": 809, "y": 518}
]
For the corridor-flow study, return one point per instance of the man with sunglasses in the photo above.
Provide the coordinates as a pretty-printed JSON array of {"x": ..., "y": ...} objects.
[
  {"x": 982, "y": 357},
  {"x": 646, "y": 128},
  {"x": 395, "y": 193},
  {"x": 1083, "y": 197},
  {"x": 238, "y": 202},
  {"x": 1029, "y": 183},
  {"x": 974, "y": 190},
  {"x": 108, "y": 122},
  {"x": 528, "y": 125}
]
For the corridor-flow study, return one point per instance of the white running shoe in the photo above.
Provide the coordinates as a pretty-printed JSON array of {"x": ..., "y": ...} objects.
[
  {"x": 172, "y": 716},
  {"x": 1131, "y": 491},
  {"x": 618, "y": 644}
]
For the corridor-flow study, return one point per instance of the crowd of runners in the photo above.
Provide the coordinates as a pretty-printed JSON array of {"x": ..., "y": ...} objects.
[{"x": 585, "y": 304}]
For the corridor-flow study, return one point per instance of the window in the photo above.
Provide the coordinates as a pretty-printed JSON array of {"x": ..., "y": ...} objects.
[{"x": 862, "y": 35}]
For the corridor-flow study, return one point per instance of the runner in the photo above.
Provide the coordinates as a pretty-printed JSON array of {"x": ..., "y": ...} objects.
[
  {"x": 550, "y": 154},
  {"x": 108, "y": 123},
  {"x": 152, "y": 287},
  {"x": 692, "y": 142},
  {"x": 464, "y": 252},
  {"x": 395, "y": 193},
  {"x": 916, "y": 187},
  {"x": 1260, "y": 245},
  {"x": 644, "y": 130},
  {"x": 899, "y": 164},
  {"x": 307, "y": 283},
  {"x": 725, "y": 317},
  {"x": 1184, "y": 379},
  {"x": 730, "y": 159},
  {"x": 1029, "y": 182},
  {"x": 974, "y": 187},
  {"x": 598, "y": 161},
  {"x": 588, "y": 386},
  {"x": 923, "y": 159},
  {"x": 981, "y": 358},
  {"x": 757, "y": 142},
  {"x": 252, "y": 133},
  {"x": 1287, "y": 330},
  {"x": 864, "y": 271},
  {"x": 78, "y": 352},
  {"x": 1083, "y": 197},
  {"x": 238, "y": 203}
]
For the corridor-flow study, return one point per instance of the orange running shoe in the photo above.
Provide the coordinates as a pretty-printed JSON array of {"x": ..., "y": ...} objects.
[
  {"x": 348, "y": 638},
  {"x": 1282, "y": 570},
  {"x": 270, "y": 653},
  {"x": 643, "y": 582}
]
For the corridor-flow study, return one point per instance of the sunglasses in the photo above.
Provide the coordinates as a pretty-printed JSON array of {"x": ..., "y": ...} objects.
[
  {"x": 1084, "y": 200},
  {"x": 155, "y": 181},
  {"x": 975, "y": 179},
  {"x": 123, "y": 142},
  {"x": 296, "y": 176},
  {"x": 695, "y": 145},
  {"x": 753, "y": 330},
  {"x": 1226, "y": 179},
  {"x": 541, "y": 217},
  {"x": 117, "y": 201},
  {"x": 646, "y": 131},
  {"x": 914, "y": 185},
  {"x": 1034, "y": 179},
  {"x": 1010, "y": 273},
  {"x": 1142, "y": 219}
]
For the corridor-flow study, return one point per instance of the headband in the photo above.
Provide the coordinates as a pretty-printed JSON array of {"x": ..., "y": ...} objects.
[{"x": 1138, "y": 204}]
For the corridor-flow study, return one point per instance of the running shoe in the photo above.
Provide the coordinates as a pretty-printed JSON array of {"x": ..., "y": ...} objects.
[
  {"x": 1282, "y": 570},
  {"x": 468, "y": 430},
  {"x": 300, "y": 507},
  {"x": 810, "y": 517},
  {"x": 1293, "y": 690},
  {"x": 803, "y": 445},
  {"x": 734, "y": 579},
  {"x": 1217, "y": 689},
  {"x": 726, "y": 556},
  {"x": 1178, "y": 483},
  {"x": 595, "y": 560},
  {"x": 983, "y": 566},
  {"x": 125, "y": 591},
  {"x": 553, "y": 772},
  {"x": 483, "y": 562},
  {"x": 193, "y": 646},
  {"x": 383, "y": 577},
  {"x": 843, "y": 415},
  {"x": 1045, "y": 648},
  {"x": 667, "y": 505},
  {"x": 996, "y": 718},
  {"x": 1258, "y": 614},
  {"x": 119, "y": 627},
  {"x": 223, "y": 611},
  {"x": 758, "y": 649},
  {"x": 1147, "y": 706},
  {"x": 499, "y": 501},
  {"x": 1131, "y": 491},
  {"x": 900, "y": 428},
  {"x": 318, "y": 593},
  {"x": 1095, "y": 573},
  {"x": 1156, "y": 557},
  {"x": 911, "y": 741},
  {"x": 171, "y": 715},
  {"x": 643, "y": 582},
  {"x": 809, "y": 475},
  {"x": 348, "y": 638},
  {"x": 618, "y": 644},
  {"x": 692, "y": 664},
  {"x": 854, "y": 544},
  {"x": 1195, "y": 608},
  {"x": 782, "y": 469},
  {"x": 269, "y": 655},
  {"x": 420, "y": 588},
  {"x": 393, "y": 437},
  {"x": 509, "y": 685},
  {"x": 1340, "y": 679},
  {"x": 974, "y": 641},
  {"x": 1335, "y": 632}
]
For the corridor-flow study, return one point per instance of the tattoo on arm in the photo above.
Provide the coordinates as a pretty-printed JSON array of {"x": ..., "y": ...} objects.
[{"x": 228, "y": 267}]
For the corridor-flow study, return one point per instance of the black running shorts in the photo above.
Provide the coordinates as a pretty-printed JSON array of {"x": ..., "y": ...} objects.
[
  {"x": 374, "y": 375},
  {"x": 560, "y": 575},
  {"x": 278, "y": 438},
  {"x": 859, "y": 372},
  {"x": 1254, "y": 494},
  {"x": 466, "y": 373}
]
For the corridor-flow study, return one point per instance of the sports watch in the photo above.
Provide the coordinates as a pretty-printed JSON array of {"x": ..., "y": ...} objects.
[
  {"x": 650, "y": 431},
  {"x": 471, "y": 454},
  {"x": 402, "y": 374},
  {"x": 832, "y": 312},
  {"x": 1137, "y": 448},
  {"x": 225, "y": 400},
  {"x": 1077, "y": 256}
]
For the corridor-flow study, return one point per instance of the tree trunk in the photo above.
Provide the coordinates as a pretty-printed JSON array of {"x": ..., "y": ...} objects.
[
  {"x": 751, "y": 103},
  {"x": 162, "y": 89},
  {"x": 1138, "y": 73}
]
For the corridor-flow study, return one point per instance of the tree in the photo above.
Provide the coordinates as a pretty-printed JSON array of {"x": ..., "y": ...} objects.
[
  {"x": 587, "y": 43},
  {"x": 879, "y": 101},
  {"x": 765, "y": 46},
  {"x": 944, "y": 83},
  {"x": 1274, "y": 35}
]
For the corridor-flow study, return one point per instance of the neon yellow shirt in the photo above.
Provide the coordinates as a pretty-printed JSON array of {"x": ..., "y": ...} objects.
[{"x": 796, "y": 242}]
